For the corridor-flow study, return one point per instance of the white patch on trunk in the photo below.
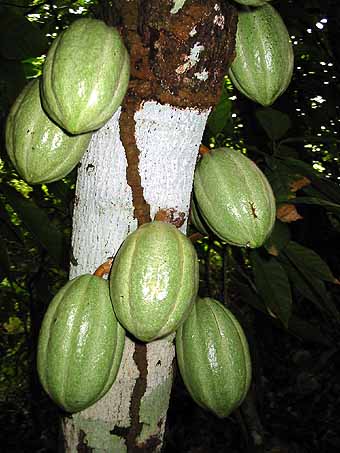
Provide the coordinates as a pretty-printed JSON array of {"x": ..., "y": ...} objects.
[
  {"x": 202, "y": 75},
  {"x": 103, "y": 211},
  {"x": 168, "y": 139},
  {"x": 219, "y": 19}
]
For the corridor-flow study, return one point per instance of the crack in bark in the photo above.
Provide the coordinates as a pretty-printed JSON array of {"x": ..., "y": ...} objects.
[
  {"x": 127, "y": 133},
  {"x": 139, "y": 389},
  {"x": 82, "y": 446}
]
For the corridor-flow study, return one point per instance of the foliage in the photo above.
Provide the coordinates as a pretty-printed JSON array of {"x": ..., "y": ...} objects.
[{"x": 289, "y": 286}]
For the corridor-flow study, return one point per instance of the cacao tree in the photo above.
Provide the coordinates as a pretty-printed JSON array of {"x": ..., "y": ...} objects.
[{"x": 142, "y": 161}]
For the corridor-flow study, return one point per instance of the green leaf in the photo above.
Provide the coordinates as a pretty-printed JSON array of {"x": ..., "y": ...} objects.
[
  {"x": 38, "y": 223},
  {"x": 249, "y": 296},
  {"x": 220, "y": 116},
  {"x": 7, "y": 229},
  {"x": 33, "y": 67},
  {"x": 333, "y": 207},
  {"x": 274, "y": 122},
  {"x": 284, "y": 151},
  {"x": 273, "y": 285},
  {"x": 20, "y": 38},
  {"x": 310, "y": 287},
  {"x": 307, "y": 331},
  {"x": 308, "y": 262},
  {"x": 326, "y": 187},
  {"x": 13, "y": 326},
  {"x": 297, "y": 327},
  {"x": 299, "y": 167},
  {"x": 320, "y": 185},
  {"x": 323, "y": 188},
  {"x": 278, "y": 239},
  {"x": 280, "y": 178}
]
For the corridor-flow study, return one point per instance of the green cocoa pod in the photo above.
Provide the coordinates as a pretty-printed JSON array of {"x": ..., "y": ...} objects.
[
  {"x": 213, "y": 357},
  {"x": 85, "y": 76},
  {"x": 196, "y": 218},
  {"x": 40, "y": 151},
  {"x": 263, "y": 66},
  {"x": 154, "y": 280},
  {"x": 80, "y": 344},
  {"x": 234, "y": 198}
]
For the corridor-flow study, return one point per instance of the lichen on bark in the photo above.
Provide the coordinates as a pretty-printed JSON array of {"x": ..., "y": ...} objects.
[{"x": 98, "y": 438}]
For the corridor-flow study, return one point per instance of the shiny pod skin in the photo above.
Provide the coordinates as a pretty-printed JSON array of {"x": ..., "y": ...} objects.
[
  {"x": 263, "y": 66},
  {"x": 40, "y": 150},
  {"x": 85, "y": 76},
  {"x": 80, "y": 344},
  {"x": 154, "y": 280},
  {"x": 213, "y": 357},
  {"x": 234, "y": 198}
]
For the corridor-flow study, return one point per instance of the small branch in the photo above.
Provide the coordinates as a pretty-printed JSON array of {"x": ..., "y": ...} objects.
[
  {"x": 204, "y": 150},
  {"x": 104, "y": 269},
  {"x": 253, "y": 422}
]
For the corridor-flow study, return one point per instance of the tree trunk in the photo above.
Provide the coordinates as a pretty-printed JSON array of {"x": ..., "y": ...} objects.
[{"x": 141, "y": 161}]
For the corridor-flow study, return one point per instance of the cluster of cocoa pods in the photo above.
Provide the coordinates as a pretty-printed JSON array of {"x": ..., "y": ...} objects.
[{"x": 153, "y": 284}]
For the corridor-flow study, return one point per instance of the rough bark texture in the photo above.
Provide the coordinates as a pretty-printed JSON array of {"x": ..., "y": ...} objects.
[{"x": 142, "y": 161}]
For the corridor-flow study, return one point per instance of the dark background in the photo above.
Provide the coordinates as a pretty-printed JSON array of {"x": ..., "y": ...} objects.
[{"x": 294, "y": 402}]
